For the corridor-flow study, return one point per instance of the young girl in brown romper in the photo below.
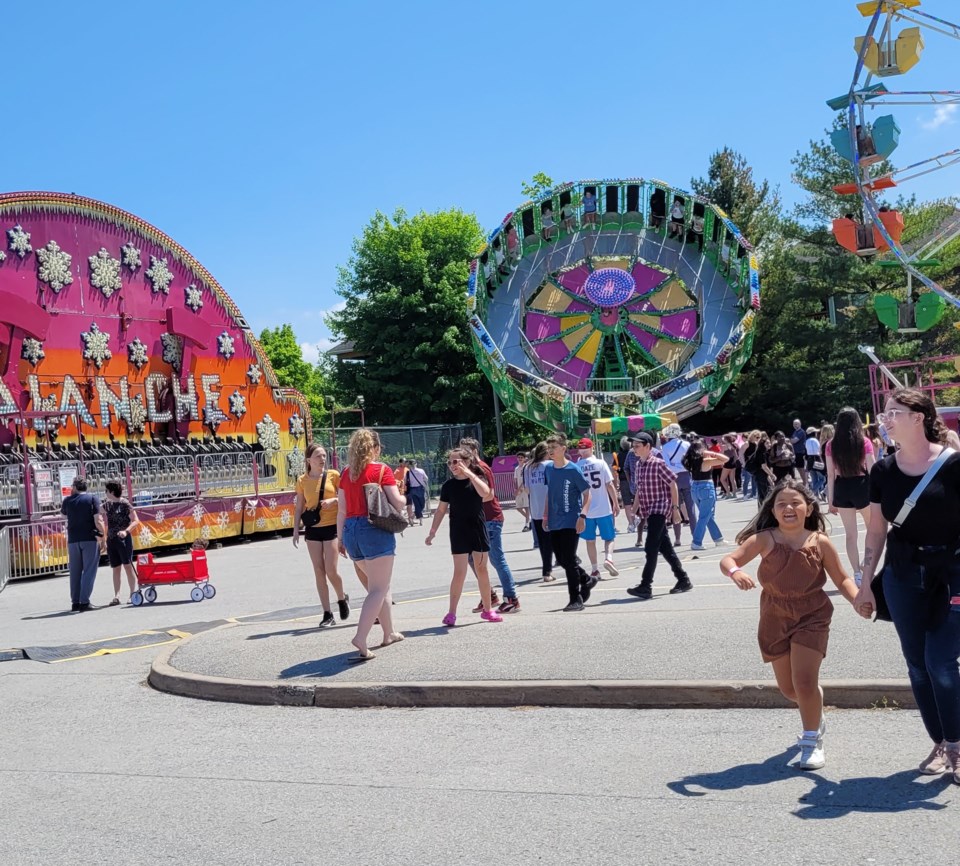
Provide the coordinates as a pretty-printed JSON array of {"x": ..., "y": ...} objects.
[{"x": 796, "y": 555}]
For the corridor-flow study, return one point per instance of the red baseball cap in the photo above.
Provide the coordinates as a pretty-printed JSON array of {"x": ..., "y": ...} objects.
[{"x": 585, "y": 443}]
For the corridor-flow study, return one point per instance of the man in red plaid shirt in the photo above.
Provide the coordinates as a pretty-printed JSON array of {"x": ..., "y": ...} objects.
[{"x": 657, "y": 500}]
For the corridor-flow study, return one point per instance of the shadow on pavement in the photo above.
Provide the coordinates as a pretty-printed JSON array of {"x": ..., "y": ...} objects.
[{"x": 900, "y": 792}]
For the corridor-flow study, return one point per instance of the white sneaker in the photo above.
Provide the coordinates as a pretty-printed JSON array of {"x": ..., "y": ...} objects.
[
  {"x": 612, "y": 570},
  {"x": 720, "y": 541},
  {"x": 697, "y": 547},
  {"x": 811, "y": 755}
]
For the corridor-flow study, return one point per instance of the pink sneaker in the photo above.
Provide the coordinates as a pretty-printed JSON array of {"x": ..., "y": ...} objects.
[
  {"x": 450, "y": 620},
  {"x": 491, "y": 616}
]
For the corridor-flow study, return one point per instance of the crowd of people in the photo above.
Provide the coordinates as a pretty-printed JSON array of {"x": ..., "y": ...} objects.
[{"x": 902, "y": 478}]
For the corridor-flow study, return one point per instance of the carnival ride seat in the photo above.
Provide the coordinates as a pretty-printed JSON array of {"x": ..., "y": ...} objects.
[
  {"x": 865, "y": 240},
  {"x": 875, "y": 142},
  {"x": 894, "y": 56}
]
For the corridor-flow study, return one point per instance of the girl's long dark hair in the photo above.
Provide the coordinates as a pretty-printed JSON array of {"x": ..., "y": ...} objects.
[
  {"x": 693, "y": 459},
  {"x": 539, "y": 453},
  {"x": 847, "y": 449},
  {"x": 766, "y": 520}
]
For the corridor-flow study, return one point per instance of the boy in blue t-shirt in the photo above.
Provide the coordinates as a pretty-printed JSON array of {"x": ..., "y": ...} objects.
[{"x": 564, "y": 517}]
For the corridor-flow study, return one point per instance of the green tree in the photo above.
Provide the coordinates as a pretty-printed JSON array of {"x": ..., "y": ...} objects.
[
  {"x": 538, "y": 185},
  {"x": 753, "y": 207},
  {"x": 405, "y": 312},
  {"x": 286, "y": 358}
]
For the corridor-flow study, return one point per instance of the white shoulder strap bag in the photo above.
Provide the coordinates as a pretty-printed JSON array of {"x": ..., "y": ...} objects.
[{"x": 911, "y": 500}]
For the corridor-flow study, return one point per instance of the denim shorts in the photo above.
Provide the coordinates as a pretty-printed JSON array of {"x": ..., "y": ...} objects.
[{"x": 364, "y": 541}]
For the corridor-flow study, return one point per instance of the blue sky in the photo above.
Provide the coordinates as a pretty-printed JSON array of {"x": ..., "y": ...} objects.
[{"x": 262, "y": 137}]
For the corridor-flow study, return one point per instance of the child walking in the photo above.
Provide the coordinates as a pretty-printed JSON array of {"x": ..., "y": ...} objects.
[
  {"x": 789, "y": 536},
  {"x": 463, "y": 496}
]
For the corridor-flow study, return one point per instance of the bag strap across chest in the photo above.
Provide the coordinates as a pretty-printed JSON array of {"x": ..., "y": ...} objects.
[{"x": 911, "y": 500}]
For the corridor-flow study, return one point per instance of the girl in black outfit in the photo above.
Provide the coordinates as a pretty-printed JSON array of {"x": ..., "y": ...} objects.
[
  {"x": 463, "y": 496},
  {"x": 849, "y": 456},
  {"x": 921, "y": 572}
]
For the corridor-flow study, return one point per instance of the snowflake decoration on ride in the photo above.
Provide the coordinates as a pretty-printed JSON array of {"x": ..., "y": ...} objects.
[
  {"x": 198, "y": 513},
  {"x": 296, "y": 463},
  {"x": 105, "y": 273},
  {"x": 225, "y": 345},
  {"x": 238, "y": 507},
  {"x": 3, "y": 256},
  {"x": 261, "y": 523},
  {"x": 145, "y": 536},
  {"x": 172, "y": 350},
  {"x": 254, "y": 373},
  {"x": 251, "y": 508},
  {"x": 137, "y": 353},
  {"x": 54, "y": 266},
  {"x": 194, "y": 299},
  {"x": 297, "y": 427},
  {"x": 178, "y": 530},
  {"x": 223, "y": 519},
  {"x": 44, "y": 550},
  {"x": 131, "y": 256},
  {"x": 32, "y": 351},
  {"x": 238, "y": 404},
  {"x": 272, "y": 503},
  {"x": 138, "y": 415},
  {"x": 268, "y": 432},
  {"x": 19, "y": 241},
  {"x": 285, "y": 517},
  {"x": 160, "y": 275},
  {"x": 160, "y": 516},
  {"x": 205, "y": 532},
  {"x": 97, "y": 345}
]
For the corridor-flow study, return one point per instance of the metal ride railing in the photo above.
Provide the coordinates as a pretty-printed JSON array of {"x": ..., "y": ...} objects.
[
  {"x": 35, "y": 549},
  {"x": 4, "y": 557}
]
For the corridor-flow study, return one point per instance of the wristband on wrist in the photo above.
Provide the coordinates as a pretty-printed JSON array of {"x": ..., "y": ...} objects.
[
  {"x": 734, "y": 570},
  {"x": 583, "y": 516}
]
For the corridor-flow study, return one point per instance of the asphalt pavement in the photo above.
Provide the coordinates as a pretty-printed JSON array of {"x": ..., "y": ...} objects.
[{"x": 97, "y": 767}]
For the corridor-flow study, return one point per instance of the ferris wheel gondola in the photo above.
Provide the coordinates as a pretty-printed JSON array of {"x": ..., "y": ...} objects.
[{"x": 881, "y": 53}]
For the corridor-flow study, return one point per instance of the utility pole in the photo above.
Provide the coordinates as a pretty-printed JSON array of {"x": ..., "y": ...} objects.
[{"x": 499, "y": 420}]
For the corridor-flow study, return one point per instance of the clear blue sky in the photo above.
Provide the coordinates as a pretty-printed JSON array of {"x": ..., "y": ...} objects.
[{"x": 263, "y": 136}]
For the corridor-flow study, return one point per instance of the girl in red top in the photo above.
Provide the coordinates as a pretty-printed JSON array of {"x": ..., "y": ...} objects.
[{"x": 371, "y": 549}]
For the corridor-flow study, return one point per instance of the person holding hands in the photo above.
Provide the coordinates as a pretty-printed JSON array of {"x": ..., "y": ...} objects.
[{"x": 789, "y": 535}]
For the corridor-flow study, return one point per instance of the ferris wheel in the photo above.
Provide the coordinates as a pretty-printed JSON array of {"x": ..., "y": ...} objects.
[{"x": 867, "y": 141}]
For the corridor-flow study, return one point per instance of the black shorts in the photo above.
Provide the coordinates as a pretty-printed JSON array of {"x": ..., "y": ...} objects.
[
  {"x": 800, "y": 460},
  {"x": 321, "y": 533},
  {"x": 851, "y": 492},
  {"x": 120, "y": 550}
]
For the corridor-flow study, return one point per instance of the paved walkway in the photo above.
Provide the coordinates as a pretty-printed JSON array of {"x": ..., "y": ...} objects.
[{"x": 692, "y": 649}]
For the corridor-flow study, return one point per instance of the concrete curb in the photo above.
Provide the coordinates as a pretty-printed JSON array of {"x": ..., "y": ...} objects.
[{"x": 603, "y": 694}]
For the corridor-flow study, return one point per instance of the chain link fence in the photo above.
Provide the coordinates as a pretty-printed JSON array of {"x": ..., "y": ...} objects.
[{"x": 427, "y": 444}]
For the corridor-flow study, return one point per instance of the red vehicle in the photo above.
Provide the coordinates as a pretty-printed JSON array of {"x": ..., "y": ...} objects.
[{"x": 153, "y": 574}]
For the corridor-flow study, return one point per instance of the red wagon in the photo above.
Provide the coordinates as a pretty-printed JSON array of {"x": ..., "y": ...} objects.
[{"x": 171, "y": 572}]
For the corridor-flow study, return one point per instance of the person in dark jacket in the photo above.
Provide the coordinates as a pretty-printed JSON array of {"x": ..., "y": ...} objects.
[{"x": 85, "y": 537}]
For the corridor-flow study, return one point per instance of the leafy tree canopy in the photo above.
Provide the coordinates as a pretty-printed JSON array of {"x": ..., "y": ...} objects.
[
  {"x": 405, "y": 312},
  {"x": 286, "y": 358},
  {"x": 754, "y": 207},
  {"x": 537, "y": 185}
]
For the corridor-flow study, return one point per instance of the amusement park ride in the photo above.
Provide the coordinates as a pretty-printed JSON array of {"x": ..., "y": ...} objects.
[
  {"x": 613, "y": 306},
  {"x": 122, "y": 357},
  {"x": 883, "y": 53}
]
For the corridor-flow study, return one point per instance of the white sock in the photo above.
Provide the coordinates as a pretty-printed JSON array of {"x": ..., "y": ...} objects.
[{"x": 811, "y": 735}]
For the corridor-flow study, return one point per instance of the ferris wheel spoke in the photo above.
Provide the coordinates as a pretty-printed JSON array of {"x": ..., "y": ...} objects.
[{"x": 924, "y": 19}]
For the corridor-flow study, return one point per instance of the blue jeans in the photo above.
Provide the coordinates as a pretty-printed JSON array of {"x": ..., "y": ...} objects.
[
  {"x": 498, "y": 560},
  {"x": 818, "y": 481},
  {"x": 749, "y": 485},
  {"x": 931, "y": 655},
  {"x": 706, "y": 496},
  {"x": 83, "y": 559},
  {"x": 363, "y": 540}
]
